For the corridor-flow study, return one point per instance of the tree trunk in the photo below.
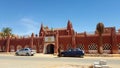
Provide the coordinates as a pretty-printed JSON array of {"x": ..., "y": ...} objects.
[{"x": 100, "y": 50}]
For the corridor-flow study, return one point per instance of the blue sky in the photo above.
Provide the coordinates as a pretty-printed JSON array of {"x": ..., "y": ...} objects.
[{"x": 26, "y": 16}]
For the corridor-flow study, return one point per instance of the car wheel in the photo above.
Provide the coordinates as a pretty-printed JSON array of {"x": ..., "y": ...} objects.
[
  {"x": 62, "y": 55},
  {"x": 16, "y": 54},
  {"x": 27, "y": 54},
  {"x": 82, "y": 56},
  {"x": 77, "y": 56},
  {"x": 59, "y": 55},
  {"x": 32, "y": 54}
]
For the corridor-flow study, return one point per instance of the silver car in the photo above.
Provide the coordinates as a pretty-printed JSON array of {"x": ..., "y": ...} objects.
[{"x": 25, "y": 51}]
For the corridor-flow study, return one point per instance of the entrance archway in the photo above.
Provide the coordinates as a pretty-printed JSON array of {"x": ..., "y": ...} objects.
[{"x": 50, "y": 49}]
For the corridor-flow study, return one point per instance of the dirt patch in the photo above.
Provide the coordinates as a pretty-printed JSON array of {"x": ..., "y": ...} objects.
[{"x": 70, "y": 66}]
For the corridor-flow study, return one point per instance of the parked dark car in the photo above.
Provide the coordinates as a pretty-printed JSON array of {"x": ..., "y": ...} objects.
[{"x": 72, "y": 53}]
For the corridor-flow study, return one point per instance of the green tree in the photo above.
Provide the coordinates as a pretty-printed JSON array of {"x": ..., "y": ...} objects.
[
  {"x": 6, "y": 31},
  {"x": 100, "y": 30}
]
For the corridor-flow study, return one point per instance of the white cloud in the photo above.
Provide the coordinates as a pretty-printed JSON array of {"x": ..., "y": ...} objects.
[{"x": 30, "y": 26}]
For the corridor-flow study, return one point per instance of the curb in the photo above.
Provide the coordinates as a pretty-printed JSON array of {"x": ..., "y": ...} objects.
[{"x": 102, "y": 55}]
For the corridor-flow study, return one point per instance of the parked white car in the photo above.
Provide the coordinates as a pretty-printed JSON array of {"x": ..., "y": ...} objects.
[{"x": 25, "y": 51}]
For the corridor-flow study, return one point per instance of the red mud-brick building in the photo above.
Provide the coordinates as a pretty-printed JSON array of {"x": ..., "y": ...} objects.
[{"x": 49, "y": 40}]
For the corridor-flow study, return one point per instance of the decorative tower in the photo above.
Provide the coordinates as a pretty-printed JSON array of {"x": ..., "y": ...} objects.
[
  {"x": 41, "y": 30},
  {"x": 72, "y": 33},
  {"x": 69, "y": 27},
  {"x": 31, "y": 40}
]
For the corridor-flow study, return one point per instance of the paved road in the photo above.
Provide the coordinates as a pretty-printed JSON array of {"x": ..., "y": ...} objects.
[{"x": 49, "y": 61}]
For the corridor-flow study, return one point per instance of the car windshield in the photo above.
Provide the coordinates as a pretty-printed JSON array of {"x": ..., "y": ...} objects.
[
  {"x": 70, "y": 50},
  {"x": 77, "y": 49},
  {"x": 26, "y": 49},
  {"x": 21, "y": 49},
  {"x": 30, "y": 48}
]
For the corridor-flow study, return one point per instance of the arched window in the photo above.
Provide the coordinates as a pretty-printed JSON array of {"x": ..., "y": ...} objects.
[
  {"x": 107, "y": 48},
  {"x": 81, "y": 46},
  {"x": 119, "y": 48},
  {"x": 12, "y": 48},
  {"x": 0, "y": 48},
  {"x": 40, "y": 48},
  {"x": 3, "y": 48},
  {"x": 69, "y": 46},
  {"x": 93, "y": 48},
  {"x": 19, "y": 47},
  {"x": 34, "y": 48},
  {"x": 26, "y": 46},
  {"x": 61, "y": 47}
]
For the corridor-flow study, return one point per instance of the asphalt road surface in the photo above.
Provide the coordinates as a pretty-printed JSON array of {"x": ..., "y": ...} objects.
[{"x": 50, "y": 61}]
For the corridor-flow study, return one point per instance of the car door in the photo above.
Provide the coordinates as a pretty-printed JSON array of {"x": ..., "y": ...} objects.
[
  {"x": 77, "y": 52},
  {"x": 74, "y": 53},
  {"x": 71, "y": 52},
  {"x": 25, "y": 51},
  {"x": 20, "y": 52}
]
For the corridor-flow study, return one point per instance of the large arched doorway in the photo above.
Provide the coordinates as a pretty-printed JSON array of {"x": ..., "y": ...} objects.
[{"x": 50, "y": 49}]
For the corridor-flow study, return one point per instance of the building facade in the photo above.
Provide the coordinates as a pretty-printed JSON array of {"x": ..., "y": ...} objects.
[{"x": 49, "y": 40}]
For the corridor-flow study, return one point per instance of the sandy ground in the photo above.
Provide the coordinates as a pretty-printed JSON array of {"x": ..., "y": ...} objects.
[{"x": 55, "y": 64}]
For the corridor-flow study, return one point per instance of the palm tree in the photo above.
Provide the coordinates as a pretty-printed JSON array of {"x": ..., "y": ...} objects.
[
  {"x": 100, "y": 30},
  {"x": 6, "y": 31}
]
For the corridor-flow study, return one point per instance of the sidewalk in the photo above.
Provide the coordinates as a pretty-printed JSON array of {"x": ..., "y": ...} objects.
[
  {"x": 36, "y": 55},
  {"x": 102, "y": 55},
  {"x": 45, "y": 55},
  {"x": 7, "y": 53},
  {"x": 54, "y": 55}
]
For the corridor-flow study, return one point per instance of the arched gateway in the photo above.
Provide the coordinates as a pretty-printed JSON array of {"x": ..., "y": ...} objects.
[
  {"x": 49, "y": 44},
  {"x": 50, "y": 49}
]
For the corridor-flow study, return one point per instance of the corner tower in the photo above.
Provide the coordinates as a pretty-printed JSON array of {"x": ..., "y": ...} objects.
[
  {"x": 41, "y": 30},
  {"x": 70, "y": 28}
]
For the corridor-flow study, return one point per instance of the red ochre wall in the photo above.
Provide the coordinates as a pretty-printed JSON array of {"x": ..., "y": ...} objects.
[{"x": 65, "y": 38}]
